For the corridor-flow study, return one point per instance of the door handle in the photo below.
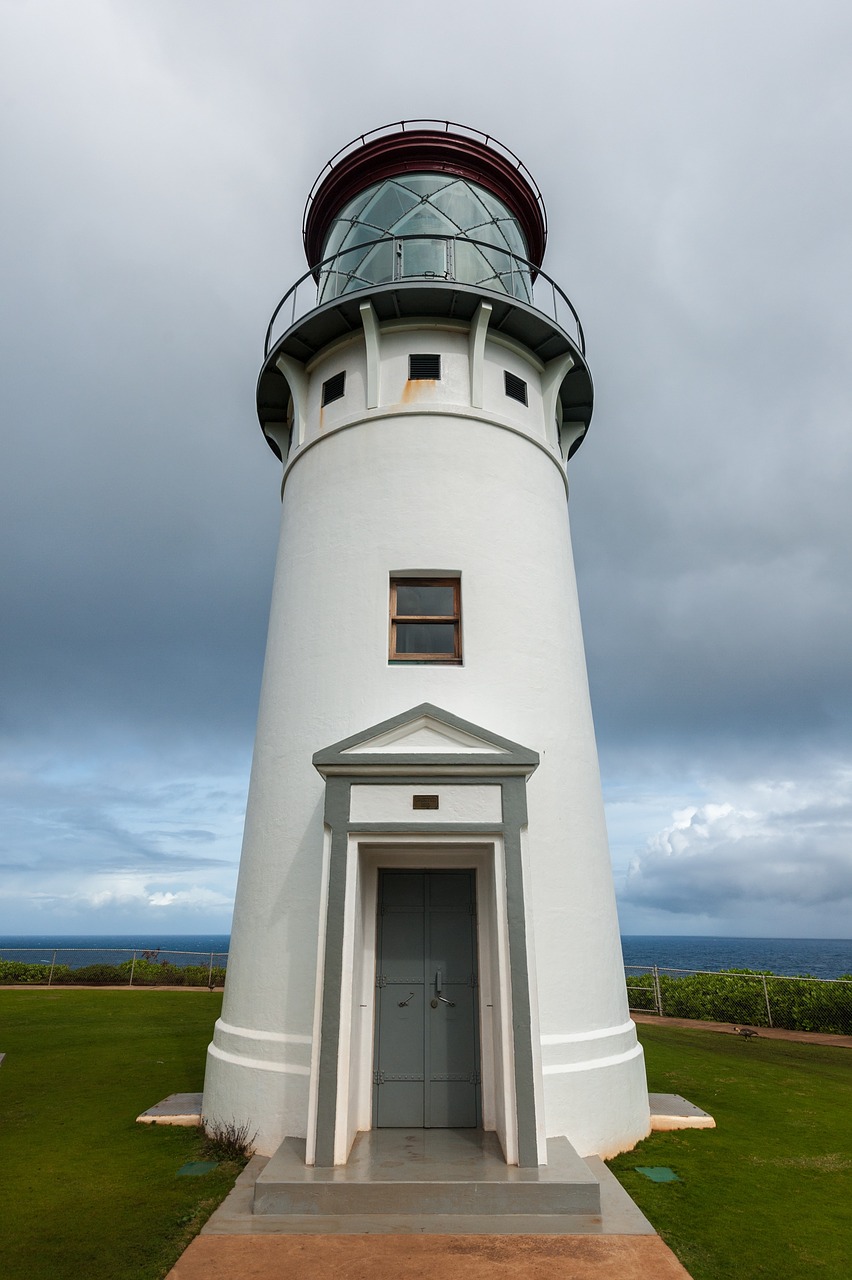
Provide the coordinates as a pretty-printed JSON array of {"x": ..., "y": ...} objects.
[{"x": 438, "y": 985}]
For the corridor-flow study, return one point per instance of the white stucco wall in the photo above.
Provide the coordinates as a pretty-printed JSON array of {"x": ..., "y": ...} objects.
[{"x": 425, "y": 482}]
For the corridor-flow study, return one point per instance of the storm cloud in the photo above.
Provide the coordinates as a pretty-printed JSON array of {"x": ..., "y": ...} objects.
[{"x": 694, "y": 161}]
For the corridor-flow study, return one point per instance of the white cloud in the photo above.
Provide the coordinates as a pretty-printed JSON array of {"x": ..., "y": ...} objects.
[
  {"x": 194, "y": 899},
  {"x": 784, "y": 843}
]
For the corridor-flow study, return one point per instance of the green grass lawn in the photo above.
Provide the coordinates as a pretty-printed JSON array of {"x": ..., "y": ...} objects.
[
  {"x": 91, "y": 1194},
  {"x": 768, "y": 1192}
]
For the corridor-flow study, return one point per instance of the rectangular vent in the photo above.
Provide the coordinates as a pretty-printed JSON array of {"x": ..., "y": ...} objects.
[
  {"x": 420, "y": 367},
  {"x": 516, "y": 388},
  {"x": 424, "y": 802},
  {"x": 334, "y": 388}
]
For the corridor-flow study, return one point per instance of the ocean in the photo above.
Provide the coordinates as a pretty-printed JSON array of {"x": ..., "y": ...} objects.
[
  {"x": 818, "y": 957},
  {"x": 821, "y": 957}
]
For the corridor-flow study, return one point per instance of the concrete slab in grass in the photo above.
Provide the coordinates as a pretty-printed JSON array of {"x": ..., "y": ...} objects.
[
  {"x": 197, "y": 1168},
  {"x": 671, "y": 1111},
  {"x": 178, "y": 1108},
  {"x": 657, "y": 1173}
]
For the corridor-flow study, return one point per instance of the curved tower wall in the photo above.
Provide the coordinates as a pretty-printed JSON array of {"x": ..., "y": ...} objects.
[{"x": 425, "y": 482}]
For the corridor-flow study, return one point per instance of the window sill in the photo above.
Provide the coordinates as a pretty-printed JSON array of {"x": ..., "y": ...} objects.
[{"x": 425, "y": 662}]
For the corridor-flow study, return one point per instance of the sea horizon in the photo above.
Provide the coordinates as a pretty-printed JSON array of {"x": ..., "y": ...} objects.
[{"x": 818, "y": 957}]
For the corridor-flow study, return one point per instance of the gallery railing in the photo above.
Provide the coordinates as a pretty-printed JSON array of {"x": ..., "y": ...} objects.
[{"x": 402, "y": 259}]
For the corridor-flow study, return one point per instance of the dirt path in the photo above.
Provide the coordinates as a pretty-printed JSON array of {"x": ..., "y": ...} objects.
[{"x": 765, "y": 1033}]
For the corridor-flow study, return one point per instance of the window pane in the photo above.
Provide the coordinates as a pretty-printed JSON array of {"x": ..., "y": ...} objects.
[
  {"x": 425, "y": 637},
  {"x": 430, "y": 601}
]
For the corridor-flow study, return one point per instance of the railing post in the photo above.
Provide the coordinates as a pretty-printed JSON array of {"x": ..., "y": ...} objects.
[
  {"x": 766, "y": 998},
  {"x": 658, "y": 996},
  {"x": 210, "y": 973},
  {"x": 52, "y": 964},
  {"x": 132, "y": 969}
]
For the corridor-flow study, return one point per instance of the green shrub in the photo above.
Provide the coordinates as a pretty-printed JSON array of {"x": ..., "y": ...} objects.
[
  {"x": 24, "y": 972},
  {"x": 146, "y": 973},
  {"x": 737, "y": 995},
  {"x": 91, "y": 975}
]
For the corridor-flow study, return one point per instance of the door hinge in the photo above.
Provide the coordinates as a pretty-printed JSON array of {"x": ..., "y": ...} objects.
[
  {"x": 473, "y": 980},
  {"x": 474, "y": 1077},
  {"x": 378, "y": 1077},
  {"x": 381, "y": 980}
]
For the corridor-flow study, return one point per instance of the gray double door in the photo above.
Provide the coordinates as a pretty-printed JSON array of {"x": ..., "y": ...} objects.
[{"x": 426, "y": 1065}]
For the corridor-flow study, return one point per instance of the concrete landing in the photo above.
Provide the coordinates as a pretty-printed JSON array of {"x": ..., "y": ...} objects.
[
  {"x": 427, "y": 1171},
  {"x": 618, "y": 1216}
]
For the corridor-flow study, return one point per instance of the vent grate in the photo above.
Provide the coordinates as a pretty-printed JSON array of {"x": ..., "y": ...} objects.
[
  {"x": 516, "y": 388},
  {"x": 334, "y": 388},
  {"x": 423, "y": 367}
]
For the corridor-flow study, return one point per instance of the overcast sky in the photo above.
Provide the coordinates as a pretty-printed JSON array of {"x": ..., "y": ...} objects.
[{"x": 695, "y": 161}]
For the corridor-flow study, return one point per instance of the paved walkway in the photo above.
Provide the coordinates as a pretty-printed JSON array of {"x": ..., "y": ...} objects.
[
  {"x": 432, "y": 1257},
  {"x": 765, "y": 1033}
]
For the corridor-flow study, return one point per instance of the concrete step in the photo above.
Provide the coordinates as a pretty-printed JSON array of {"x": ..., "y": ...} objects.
[{"x": 427, "y": 1171}]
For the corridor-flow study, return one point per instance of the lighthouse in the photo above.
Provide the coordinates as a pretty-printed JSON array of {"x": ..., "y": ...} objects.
[{"x": 425, "y": 933}]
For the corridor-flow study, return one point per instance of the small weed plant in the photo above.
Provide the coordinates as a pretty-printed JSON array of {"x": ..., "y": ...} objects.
[{"x": 228, "y": 1141}]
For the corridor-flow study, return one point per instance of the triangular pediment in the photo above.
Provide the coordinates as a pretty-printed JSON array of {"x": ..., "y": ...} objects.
[{"x": 425, "y": 735}]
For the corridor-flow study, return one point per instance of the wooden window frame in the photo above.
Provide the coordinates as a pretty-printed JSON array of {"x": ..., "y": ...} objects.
[{"x": 446, "y": 659}]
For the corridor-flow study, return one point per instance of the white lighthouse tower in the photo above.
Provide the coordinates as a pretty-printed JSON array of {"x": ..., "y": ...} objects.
[{"x": 425, "y": 933}]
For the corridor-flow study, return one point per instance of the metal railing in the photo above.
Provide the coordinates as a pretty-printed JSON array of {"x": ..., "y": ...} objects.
[
  {"x": 746, "y": 996},
  {"x": 333, "y": 278},
  {"x": 443, "y": 126},
  {"x": 111, "y": 966}
]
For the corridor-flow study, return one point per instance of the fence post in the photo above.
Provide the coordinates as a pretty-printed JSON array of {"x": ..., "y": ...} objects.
[
  {"x": 210, "y": 973},
  {"x": 766, "y": 998},
  {"x": 658, "y": 997},
  {"x": 52, "y": 964},
  {"x": 132, "y": 968}
]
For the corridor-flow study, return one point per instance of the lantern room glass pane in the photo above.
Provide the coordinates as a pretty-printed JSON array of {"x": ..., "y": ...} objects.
[
  {"x": 389, "y": 204},
  {"x": 424, "y": 184},
  {"x": 422, "y": 257},
  {"x": 426, "y": 206}
]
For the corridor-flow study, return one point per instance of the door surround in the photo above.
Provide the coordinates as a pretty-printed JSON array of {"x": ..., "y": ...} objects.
[{"x": 481, "y": 781}]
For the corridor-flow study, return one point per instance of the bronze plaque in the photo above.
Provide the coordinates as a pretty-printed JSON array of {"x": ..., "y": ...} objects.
[{"x": 424, "y": 802}]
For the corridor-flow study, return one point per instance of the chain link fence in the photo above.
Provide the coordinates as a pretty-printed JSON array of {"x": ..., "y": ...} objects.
[
  {"x": 111, "y": 967},
  {"x": 742, "y": 996}
]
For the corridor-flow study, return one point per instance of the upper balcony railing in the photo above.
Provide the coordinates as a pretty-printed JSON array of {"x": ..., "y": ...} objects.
[
  {"x": 405, "y": 259},
  {"x": 450, "y": 127}
]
